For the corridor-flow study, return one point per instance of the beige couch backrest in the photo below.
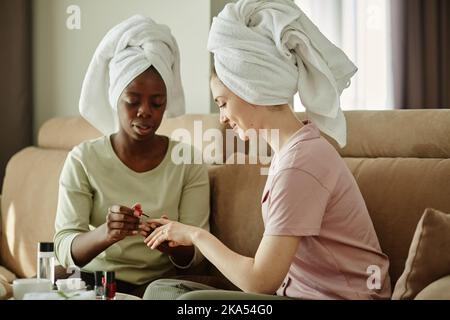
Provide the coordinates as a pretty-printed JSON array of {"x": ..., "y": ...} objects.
[
  {"x": 29, "y": 199},
  {"x": 371, "y": 134},
  {"x": 400, "y": 160}
]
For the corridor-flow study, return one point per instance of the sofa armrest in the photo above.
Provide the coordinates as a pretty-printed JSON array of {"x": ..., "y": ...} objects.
[
  {"x": 1, "y": 227},
  {"x": 6, "y": 290},
  {"x": 7, "y": 275},
  {"x": 6, "y": 279},
  {"x": 437, "y": 290}
]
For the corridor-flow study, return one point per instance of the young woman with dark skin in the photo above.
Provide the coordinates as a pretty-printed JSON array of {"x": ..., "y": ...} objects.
[
  {"x": 141, "y": 108},
  {"x": 132, "y": 81}
]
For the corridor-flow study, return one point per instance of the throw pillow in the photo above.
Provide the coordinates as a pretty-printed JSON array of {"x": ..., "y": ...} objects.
[{"x": 429, "y": 255}]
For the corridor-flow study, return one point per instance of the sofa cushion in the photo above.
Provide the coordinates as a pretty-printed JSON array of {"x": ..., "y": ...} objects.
[
  {"x": 29, "y": 199},
  {"x": 396, "y": 192},
  {"x": 236, "y": 208},
  {"x": 429, "y": 255},
  {"x": 437, "y": 290},
  {"x": 65, "y": 133}
]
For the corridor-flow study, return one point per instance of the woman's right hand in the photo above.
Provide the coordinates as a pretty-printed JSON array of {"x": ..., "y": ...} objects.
[{"x": 121, "y": 222}]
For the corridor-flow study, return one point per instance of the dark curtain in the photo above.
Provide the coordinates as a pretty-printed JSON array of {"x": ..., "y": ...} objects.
[
  {"x": 16, "y": 111},
  {"x": 421, "y": 53}
]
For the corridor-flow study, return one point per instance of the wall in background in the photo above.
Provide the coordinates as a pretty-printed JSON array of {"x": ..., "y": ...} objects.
[
  {"x": 216, "y": 7},
  {"x": 61, "y": 56},
  {"x": 15, "y": 83}
]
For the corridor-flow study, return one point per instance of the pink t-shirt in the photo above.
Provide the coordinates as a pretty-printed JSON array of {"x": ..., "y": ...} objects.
[{"x": 311, "y": 193}]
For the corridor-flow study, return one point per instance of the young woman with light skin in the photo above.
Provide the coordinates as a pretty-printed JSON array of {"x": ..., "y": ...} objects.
[
  {"x": 318, "y": 239},
  {"x": 326, "y": 235},
  {"x": 265, "y": 272}
]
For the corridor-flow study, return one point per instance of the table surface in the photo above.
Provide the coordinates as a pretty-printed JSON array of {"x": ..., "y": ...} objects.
[
  {"x": 119, "y": 296},
  {"x": 124, "y": 296}
]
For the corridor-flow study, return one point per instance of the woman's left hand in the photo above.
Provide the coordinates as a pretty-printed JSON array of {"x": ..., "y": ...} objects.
[{"x": 175, "y": 233}]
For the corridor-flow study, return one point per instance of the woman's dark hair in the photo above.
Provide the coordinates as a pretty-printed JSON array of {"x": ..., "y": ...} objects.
[{"x": 153, "y": 69}]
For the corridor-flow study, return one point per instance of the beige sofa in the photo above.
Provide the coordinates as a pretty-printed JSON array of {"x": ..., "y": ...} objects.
[{"x": 400, "y": 159}]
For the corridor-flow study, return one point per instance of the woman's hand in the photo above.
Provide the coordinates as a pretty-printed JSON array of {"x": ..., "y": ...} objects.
[
  {"x": 147, "y": 227},
  {"x": 121, "y": 222},
  {"x": 175, "y": 233}
]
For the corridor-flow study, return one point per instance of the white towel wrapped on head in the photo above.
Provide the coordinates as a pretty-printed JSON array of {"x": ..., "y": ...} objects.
[
  {"x": 265, "y": 51},
  {"x": 126, "y": 51}
]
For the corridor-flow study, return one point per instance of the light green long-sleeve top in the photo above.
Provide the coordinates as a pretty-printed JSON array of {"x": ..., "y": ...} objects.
[{"x": 94, "y": 178}]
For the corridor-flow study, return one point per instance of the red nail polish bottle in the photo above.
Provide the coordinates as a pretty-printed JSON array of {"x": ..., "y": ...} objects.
[{"x": 110, "y": 285}]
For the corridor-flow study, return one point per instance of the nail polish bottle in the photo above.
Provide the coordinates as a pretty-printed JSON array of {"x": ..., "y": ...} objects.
[
  {"x": 99, "y": 285},
  {"x": 46, "y": 261},
  {"x": 110, "y": 285}
]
